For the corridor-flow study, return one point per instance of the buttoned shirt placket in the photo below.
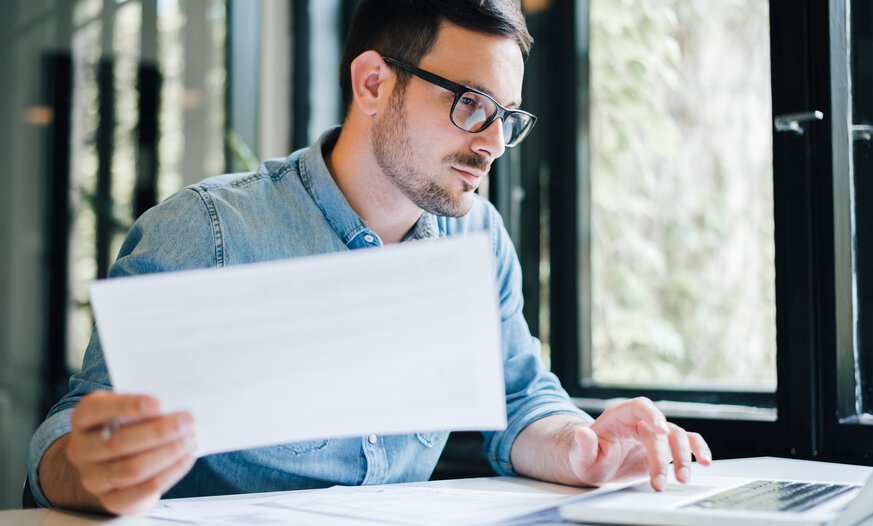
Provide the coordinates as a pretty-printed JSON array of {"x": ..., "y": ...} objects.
[{"x": 377, "y": 460}]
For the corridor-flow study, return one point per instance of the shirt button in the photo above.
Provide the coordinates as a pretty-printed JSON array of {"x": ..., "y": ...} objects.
[
  {"x": 369, "y": 239},
  {"x": 372, "y": 439}
]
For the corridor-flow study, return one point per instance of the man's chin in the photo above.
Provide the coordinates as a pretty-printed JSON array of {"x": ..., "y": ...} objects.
[
  {"x": 457, "y": 207},
  {"x": 462, "y": 206}
]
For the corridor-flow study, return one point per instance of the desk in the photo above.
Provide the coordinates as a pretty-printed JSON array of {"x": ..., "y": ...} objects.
[{"x": 752, "y": 467}]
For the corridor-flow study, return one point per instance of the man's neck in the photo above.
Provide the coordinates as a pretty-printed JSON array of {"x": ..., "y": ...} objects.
[{"x": 381, "y": 205}]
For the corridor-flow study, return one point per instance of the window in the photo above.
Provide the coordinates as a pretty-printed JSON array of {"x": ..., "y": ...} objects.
[
  {"x": 681, "y": 247},
  {"x": 659, "y": 257},
  {"x": 688, "y": 249},
  {"x": 146, "y": 117}
]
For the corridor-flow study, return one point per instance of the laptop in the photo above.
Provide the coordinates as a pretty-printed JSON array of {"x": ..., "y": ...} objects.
[{"x": 716, "y": 501}]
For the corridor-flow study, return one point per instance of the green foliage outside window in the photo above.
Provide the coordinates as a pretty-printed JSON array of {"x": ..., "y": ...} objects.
[{"x": 682, "y": 244}]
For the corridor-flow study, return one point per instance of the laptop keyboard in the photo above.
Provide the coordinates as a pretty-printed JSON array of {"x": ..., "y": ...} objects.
[{"x": 773, "y": 495}]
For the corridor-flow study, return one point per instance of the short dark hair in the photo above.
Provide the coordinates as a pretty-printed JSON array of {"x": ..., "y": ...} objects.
[{"x": 407, "y": 29}]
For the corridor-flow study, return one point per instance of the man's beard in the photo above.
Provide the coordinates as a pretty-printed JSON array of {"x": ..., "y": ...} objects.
[{"x": 395, "y": 157}]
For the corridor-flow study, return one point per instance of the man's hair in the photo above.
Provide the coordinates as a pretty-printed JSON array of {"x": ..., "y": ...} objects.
[{"x": 407, "y": 29}]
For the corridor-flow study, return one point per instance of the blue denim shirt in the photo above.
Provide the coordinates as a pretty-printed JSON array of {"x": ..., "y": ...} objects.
[{"x": 290, "y": 208}]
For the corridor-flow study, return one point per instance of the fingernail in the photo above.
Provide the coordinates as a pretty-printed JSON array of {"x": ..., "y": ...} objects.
[
  {"x": 186, "y": 421},
  {"x": 662, "y": 426},
  {"x": 683, "y": 474},
  {"x": 660, "y": 482},
  {"x": 707, "y": 456}
]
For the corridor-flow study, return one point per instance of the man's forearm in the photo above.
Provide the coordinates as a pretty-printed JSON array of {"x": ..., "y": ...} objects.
[
  {"x": 60, "y": 480},
  {"x": 541, "y": 450}
]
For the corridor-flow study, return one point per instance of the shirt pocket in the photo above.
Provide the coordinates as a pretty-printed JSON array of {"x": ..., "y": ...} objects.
[
  {"x": 305, "y": 448},
  {"x": 431, "y": 438}
]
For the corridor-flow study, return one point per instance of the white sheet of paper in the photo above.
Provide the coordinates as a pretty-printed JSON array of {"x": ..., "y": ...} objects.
[
  {"x": 245, "y": 510},
  {"x": 390, "y": 503},
  {"x": 386, "y": 341},
  {"x": 428, "y": 506}
]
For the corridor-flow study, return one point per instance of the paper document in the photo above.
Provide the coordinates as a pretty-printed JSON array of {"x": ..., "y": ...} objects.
[
  {"x": 427, "y": 506},
  {"x": 253, "y": 510},
  {"x": 387, "y": 341},
  {"x": 408, "y": 504}
]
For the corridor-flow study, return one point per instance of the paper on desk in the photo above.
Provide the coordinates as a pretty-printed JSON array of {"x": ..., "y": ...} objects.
[
  {"x": 429, "y": 506},
  {"x": 392, "y": 340},
  {"x": 390, "y": 503},
  {"x": 246, "y": 511}
]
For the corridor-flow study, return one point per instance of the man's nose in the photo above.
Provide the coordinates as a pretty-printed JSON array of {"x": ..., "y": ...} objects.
[{"x": 490, "y": 141}]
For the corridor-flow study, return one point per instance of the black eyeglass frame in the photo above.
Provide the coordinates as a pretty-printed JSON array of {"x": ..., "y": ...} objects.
[{"x": 459, "y": 90}]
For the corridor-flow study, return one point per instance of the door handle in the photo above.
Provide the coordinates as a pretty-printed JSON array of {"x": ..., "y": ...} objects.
[
  {"x": 862, "y": 132},
  {"x": 791, "y": 122}
]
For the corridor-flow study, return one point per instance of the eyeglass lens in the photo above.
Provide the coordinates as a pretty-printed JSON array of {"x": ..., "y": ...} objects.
[{"x": 473, "y": 110}]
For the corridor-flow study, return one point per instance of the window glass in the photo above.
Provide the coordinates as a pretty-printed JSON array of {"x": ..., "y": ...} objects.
[
  {"x": 192, "y": 68},
  {"x": 682, "y": 229},
  {"x": 83, "y": 185}
]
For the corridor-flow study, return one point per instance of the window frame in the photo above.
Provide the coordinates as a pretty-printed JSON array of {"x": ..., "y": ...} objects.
[
  {"x": 861, "y": 64},
  {"x": 806, "y": 236},
  {"x": 845, "y": 437}
]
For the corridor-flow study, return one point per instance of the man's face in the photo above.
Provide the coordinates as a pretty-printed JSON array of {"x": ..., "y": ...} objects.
[{"x": 433, "y": 163}]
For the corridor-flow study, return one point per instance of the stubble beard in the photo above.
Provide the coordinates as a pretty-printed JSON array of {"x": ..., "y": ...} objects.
[{"x": 395, "y": 157}]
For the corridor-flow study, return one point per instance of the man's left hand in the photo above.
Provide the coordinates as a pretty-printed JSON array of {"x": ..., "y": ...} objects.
[{"x": 632, "y": 439}]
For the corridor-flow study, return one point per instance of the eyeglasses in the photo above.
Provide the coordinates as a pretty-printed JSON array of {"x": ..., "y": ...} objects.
[{"x": 472, "y": 110}]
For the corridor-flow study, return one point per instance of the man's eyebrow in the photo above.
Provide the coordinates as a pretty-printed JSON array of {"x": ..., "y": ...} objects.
[{"x": 483, "y": 89}]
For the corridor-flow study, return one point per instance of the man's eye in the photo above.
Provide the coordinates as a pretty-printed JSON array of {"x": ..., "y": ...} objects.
[{"x": 468, "y": 101}]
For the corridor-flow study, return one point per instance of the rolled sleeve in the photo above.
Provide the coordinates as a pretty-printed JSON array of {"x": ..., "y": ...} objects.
[
  {"x": 53, "y": 428},
  {"x": 499, "y": 445},
  {"x": 92, "y": 377},
  {"x": 532, "y": 393}
]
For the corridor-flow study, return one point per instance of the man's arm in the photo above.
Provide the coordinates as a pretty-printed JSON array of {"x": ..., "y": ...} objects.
[
  {"x": 69, "y": 463},
  {"x": 125, "y": 471},
  {"x": 60, "y": 480},
  {"x": 630, "y": 439}
]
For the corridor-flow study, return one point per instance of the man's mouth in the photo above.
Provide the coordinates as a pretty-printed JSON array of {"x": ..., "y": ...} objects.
[{"x": 471, "y": 174}]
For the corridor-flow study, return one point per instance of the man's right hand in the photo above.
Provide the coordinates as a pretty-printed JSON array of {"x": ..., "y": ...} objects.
[{"x": 123, "y": 469}]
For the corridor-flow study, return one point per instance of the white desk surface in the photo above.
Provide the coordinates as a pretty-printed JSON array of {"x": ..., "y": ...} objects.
[{"x": 749, "y": 467}]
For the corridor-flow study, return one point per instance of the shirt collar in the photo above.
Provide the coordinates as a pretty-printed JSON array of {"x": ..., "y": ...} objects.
[
  {"x": 317, "y": 180},
  {"x": 424, "y": 228}
]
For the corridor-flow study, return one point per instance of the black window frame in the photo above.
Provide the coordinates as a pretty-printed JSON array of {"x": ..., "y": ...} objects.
[
  {"x": 845, "y": 436},
  {"x": 810, "y": 273}
]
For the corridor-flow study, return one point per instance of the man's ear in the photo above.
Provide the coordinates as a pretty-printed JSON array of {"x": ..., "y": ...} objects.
[{"x": 370, "y": 81}]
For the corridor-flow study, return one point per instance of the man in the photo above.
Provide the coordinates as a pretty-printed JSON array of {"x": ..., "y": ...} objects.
[{"x": 431, "y": 89}]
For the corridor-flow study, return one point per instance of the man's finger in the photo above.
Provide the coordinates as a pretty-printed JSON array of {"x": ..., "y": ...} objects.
[
  {"x": 630, "y": 412},
  {"x": 140, "y": 498},
  {"x": 133, "y": 470},
  {"x": 584, "y": 454},
  {"x": 657, "y": 454},
  {"x": 131, "y": 439},
  {"x": 100, "y": 407},
  {"x": 700, "y": 449},
  {"x": 681, "y": 450},
  {"x": 586, "y": 442}
]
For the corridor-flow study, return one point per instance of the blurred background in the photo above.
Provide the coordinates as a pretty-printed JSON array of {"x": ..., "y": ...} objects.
[{"x": 659, "y": 217}]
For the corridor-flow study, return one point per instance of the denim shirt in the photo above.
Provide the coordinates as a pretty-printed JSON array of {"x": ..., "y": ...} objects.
[{"x": 289, "y": 208}]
